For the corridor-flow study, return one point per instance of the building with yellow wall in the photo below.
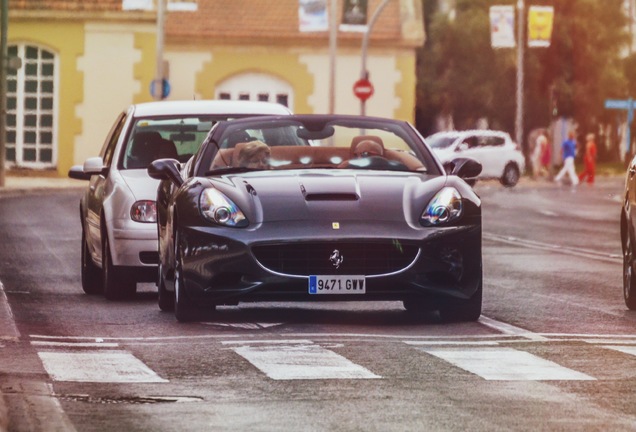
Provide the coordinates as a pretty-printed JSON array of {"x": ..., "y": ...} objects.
[{"x": 84, "y": 61}]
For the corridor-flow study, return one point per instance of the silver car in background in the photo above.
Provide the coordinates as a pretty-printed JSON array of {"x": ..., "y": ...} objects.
[
  {"x": 499, "y": 156},
  {"x": 118, "y": 212}
]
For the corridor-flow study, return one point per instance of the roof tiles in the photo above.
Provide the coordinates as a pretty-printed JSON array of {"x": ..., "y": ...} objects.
[{"x": 234, "y": 20}]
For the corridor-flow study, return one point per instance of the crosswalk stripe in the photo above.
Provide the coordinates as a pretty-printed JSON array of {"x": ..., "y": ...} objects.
[
  {"x": 97, "y": 366},
  {"x": 505, "y": 364},
  {"x": 631, "y": 350},
  {"x": 302, "y": 361}
]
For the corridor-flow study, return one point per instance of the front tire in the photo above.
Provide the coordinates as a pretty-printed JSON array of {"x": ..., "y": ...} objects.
[
  {"x": 91, "y": 275},
  {"x": 629, "y": 275},
  {"x": 510, "y": 175},
  {"x": 118, "y": 284},
  {"x": 459, "y": 310},
  {"x": 166, "y": 298}
]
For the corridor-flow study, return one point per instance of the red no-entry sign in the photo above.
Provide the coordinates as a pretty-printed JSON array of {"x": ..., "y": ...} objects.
[{"x": 363, "y": 89}]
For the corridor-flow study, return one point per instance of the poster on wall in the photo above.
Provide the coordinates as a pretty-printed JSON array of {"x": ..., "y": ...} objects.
[
  {"x": 171, "y": 5},
  {"x": 137, "y": 5},
  {"x": 354, "y": 15},
  {"x": 312, "y": 15},
  {"x": 502, "y": 23},
  {"x": 540, "y": 21},
  {"x": 183, "y": 5}
]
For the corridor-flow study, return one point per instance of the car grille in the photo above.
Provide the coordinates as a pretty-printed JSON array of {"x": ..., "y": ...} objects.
[{"x": 320, "y": 258}]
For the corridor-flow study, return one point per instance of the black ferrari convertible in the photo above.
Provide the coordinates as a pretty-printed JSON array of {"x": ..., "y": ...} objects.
[{"x": 318, "y": 208}]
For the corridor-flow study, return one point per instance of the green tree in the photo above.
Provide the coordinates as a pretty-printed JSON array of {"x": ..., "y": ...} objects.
[{"x": 461, "y": 75}]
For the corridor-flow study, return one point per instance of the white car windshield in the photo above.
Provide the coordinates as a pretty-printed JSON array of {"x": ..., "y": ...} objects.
[
  {"x": 440, "y": 142},
  {"x": 156, "y": 138}
]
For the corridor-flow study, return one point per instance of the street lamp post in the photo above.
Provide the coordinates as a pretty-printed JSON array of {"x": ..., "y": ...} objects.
[
  {"x": 3, "y": 86},
  {"x": 364, "y": 73},
  {"x": 520, "y": 54}
]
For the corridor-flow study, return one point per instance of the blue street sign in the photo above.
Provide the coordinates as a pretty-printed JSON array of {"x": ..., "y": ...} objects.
[
  {"x": 619, "y": 104},
  {"x": 624, "y": 104},
  {"x": 165, "y": 88}
]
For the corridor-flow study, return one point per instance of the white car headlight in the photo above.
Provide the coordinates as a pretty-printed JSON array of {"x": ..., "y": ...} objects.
[
  {"x": 144, "y": 211},
  {"x": 219, "y": 209},
  {"x": 446, "y": 206}
]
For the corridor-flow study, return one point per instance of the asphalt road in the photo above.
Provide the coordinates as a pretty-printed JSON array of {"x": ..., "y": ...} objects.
[{"x": 555, "y": 348}]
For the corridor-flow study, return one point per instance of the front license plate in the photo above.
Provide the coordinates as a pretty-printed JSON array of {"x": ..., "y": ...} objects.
[{"x": 337, "y": 284}]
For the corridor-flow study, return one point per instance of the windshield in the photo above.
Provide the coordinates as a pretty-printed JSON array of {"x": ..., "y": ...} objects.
[
  {"x": 166, "y": 137},
  {"x": 440, "y": 141},
  {"x": 319, "y": 143}
]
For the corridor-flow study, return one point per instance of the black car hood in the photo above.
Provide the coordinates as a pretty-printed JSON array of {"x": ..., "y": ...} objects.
[{"x": 334, "y": 195}]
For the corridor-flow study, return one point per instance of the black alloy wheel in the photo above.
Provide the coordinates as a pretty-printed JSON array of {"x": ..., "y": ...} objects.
[
  {"x": 183, "y": 311},
  {"x": 165, "y": 298},
  {"x": 510, "y": 175},
  {"x": 629, "y": 276},
  {"x": 91, "y": 274}
]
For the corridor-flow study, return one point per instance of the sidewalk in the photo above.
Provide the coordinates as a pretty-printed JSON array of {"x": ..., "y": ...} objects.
[
  {"x": 16, "y": 183},
  {"x": 19, "y": 183}
]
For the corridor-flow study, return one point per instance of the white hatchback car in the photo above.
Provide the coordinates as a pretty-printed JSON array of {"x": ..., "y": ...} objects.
[
  {"x": 499, "y": 156},
  {"x": 118, "y": 212}
]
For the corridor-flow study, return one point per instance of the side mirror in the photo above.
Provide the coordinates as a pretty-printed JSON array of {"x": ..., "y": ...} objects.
[
  {"x": 92, "y": 166},
  {"x": 465, "y": 168},
  {"x": 166, "y": 169}
]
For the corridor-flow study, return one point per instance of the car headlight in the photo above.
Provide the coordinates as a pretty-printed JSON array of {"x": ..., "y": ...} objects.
[
  {"x": 144, "y": 211},
  {"x": 446, "y": 206},
  {"x": 219, "y": 209}
]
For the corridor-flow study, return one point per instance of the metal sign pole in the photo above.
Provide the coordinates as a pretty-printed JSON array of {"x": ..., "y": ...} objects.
[
  {"x": 364, "y": 73},
  {"x": 333, "y": 46},
  {"x": 159, "y": 77},
  {"x": 520, "y": 54}
]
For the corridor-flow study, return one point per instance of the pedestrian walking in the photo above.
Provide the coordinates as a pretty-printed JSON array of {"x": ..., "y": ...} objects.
[
  {"x": 589, "y": 159},
  {"x": 568, "y": 152},
  {"x": 541, "y": 157}
]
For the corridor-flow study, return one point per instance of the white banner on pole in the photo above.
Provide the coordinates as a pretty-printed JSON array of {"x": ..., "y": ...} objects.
[
  {"x": 313, "y": 16},
  {"x": 502, "y": 23}
]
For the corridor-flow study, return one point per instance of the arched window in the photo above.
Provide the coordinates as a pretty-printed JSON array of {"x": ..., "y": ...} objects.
[
  {"x": 256, "y": 87},
  {"x": 31, "y": 108}
]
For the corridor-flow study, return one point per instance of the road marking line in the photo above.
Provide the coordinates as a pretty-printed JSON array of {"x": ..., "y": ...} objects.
[
  {"x": 509, "y": 329},
  {"x": 586, "y": 253},
  {"x": 8, "y": 329},
  {"x": 104, "y": 367},
  {"x": 631, "y": 350},
  {"x": 269, "y": 341},
  {"x": 454, "y": 343},
  {"x": 506, "y": 364},
  {"x": 248, "y": 326},
  {"x": 302, "y": 361},
  {"x": 75, "y": 344}
]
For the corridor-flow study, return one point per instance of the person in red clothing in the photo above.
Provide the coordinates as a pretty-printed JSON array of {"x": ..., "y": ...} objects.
[{"x": 589, "y": 159}]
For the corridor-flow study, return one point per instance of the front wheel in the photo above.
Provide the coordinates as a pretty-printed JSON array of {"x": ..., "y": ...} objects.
[
  {"x": 166, "y": 298},
  {"x": 629, "y": 276},
  {"x": 510, "y": 175},
  {"x": 117, "y": 283},
  {"x": 457, "y": 310},
  {"x": 91, "y": 276}
]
